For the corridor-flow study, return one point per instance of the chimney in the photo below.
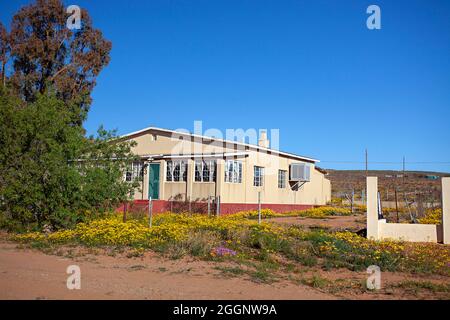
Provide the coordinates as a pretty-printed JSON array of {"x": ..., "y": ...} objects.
[{"x": 263, "y": 141}]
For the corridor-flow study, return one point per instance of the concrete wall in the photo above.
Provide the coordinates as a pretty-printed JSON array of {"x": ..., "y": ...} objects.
[
  {"x": 378, "y": 229},
  {"x": 315, "y": 192},
  {"x": 446, "y": 210},
  {"x": 410, "y": 232}
]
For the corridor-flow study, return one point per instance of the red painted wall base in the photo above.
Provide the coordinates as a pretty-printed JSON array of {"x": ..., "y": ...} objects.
[{"x": 225, "y": 208}]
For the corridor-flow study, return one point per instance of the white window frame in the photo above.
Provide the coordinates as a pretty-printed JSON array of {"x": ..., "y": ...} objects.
[
  {"x": 233, "y": 171},
  {"x": 135, "y": 171},
  {"x": 170, "y": 169},
  {"x": 258, "y": 179},
  {"x": 282, "y": 179},
  {"x": 209, "y": 165}
]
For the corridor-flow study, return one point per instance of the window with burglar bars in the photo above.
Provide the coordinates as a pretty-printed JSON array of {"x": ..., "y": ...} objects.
[
  {"x": 282, "y": 174},
  {"x": 233, "y": 171},
  {"x": 205, "y": 170},
  {"x": 176, "y": 170},
  {"x": 135, "y": 171},
  {"x": 258, "y": 179}
]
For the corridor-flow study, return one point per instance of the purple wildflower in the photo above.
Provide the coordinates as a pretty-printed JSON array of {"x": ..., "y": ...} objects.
[{"x": 222, "y": 251}]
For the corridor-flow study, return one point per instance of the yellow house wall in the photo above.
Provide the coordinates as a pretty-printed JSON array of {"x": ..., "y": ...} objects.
[{"x": 315, "y": 192}]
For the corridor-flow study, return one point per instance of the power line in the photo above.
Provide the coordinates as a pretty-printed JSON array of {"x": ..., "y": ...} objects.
[{"x": 388, "y": 162}]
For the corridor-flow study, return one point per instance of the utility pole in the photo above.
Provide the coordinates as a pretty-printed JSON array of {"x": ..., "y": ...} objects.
[
  {"x": 209, "y": 206},
  {"x": 367, "y": 174},
  {"x": 396, "y": 204},
  {"x": 403, "y": 169},
  {"x": 259, "y": 207},
  {"x": 150, "y": 212}
]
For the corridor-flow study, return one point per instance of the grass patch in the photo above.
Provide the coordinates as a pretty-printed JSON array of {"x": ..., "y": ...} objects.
[
  {"x": 315, "y": 281},
  {"x": 415, "y": 287},
  {"x": 231, "y": 271}
]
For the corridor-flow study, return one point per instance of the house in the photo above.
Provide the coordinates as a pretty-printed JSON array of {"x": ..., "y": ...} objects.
[{"x": 190, "y": 167}]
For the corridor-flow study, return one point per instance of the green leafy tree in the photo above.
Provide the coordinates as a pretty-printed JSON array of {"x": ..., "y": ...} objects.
[
  {"x": 44, "y": 54},
  {"x": 50, "y": 174}
]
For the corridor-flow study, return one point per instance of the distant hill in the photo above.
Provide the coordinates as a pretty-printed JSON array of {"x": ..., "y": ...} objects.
[{"x": 411, "y": 183}]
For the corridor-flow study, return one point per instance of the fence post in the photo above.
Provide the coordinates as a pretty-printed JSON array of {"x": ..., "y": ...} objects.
[
  {"x": 190, "y": 205},
  {"x": 218, "y": 206},
  {"x": 209, "y": 206},
  {"x": 446, "y": 210},
  {"x": 372, "y": 207},
  {"x": 125, "y": 212},
  {"x": 353, "y": 200},
  {"x": 150, "y": 211},
  {"x": 259, "y": 207}
]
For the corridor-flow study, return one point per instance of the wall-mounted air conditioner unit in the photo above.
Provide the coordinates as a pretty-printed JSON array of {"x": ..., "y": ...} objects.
[{"x": 300, "y": 172}]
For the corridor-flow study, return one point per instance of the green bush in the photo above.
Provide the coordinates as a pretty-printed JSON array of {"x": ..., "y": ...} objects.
[{"x": 50, "y": 173}]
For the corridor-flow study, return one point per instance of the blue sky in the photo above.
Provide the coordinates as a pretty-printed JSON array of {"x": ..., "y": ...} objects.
[{"x": 309, "y": 68}]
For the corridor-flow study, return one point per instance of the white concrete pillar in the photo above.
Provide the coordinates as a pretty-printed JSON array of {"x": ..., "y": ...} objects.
[
  {"x": 144, "y": 184},
  {"x": 220, "y": 176},
  {"x": 372, "y": 206},
  {"x": 446, "y": 210}
]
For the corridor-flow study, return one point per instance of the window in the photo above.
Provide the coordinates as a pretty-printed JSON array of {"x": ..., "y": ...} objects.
[
  {"x": 258, "y": 178},
  {"x": 205, "y": 170},
  {"x": 135, "y": 171},
  {"x": 176, "y": 170},
  {"x": 233, "y": 171},
  {"x": 282, "y": 179}
]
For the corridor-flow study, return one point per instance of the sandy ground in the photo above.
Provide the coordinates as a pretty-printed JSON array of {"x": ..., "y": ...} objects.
[{"x": 30, "y": 274}]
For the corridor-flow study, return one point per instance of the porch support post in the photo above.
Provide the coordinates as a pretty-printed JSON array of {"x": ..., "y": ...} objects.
[
  {"x": 162, "y": 179},
  {"x": 190, "y": 179},
  {"x": 220, "y": 178}
]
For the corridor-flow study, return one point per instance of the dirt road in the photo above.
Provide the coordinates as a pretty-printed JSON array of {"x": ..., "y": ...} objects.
[{"x": 30, "y": 274}]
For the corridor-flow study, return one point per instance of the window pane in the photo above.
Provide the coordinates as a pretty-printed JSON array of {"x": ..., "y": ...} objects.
[
  {"x": 176, "y": 171},
  {"x": 282, "y": 178},
  {"x": 213, "y": 170},
  {"x": 240, "y": 172},
  {"x": 206, "y": 171},
  {"x": 169, "y": 171},
  {"x": 258, "y": 176},
  {"x": 198, "y": 169},
  {"x": 233, "y": 171},
  {"x": 183, "y": 166}
]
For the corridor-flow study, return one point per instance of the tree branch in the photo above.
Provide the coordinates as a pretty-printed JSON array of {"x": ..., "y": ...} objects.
[{"x": 58, "y": 72}]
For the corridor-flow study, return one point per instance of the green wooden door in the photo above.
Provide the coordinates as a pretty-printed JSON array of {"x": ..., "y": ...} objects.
[{"x": 153, "y": 181}]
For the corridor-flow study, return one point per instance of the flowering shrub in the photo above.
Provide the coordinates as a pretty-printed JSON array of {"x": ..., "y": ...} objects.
[
  {"x": 347, "y": 249},
  {"x": 319, "y": 212},
  {"x": 432, "y": 216},
  {"x": 202, "y": 236},
  {"x": 265, "y": 213},
  {"x": 112, "y": 231},
  {"x": 322, "y": 212}
]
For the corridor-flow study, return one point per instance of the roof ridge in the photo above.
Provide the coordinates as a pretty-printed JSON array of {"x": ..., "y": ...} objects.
[{"x": 221, "y": 140}]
